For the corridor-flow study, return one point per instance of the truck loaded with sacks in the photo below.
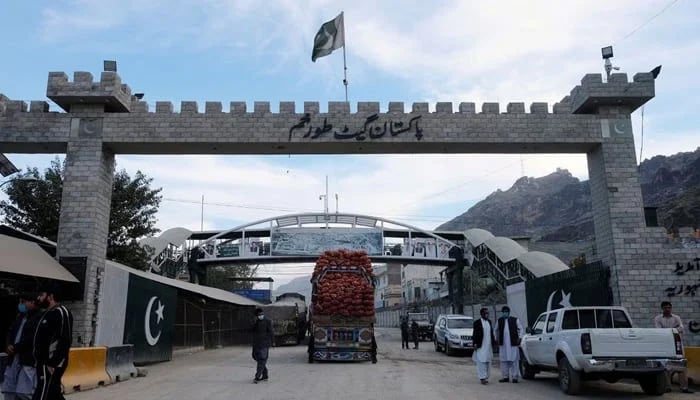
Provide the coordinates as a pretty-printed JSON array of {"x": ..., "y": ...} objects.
[{"x": 342, "y": 308}]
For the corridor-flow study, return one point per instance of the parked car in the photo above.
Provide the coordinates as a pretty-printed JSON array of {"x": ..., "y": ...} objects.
[
  {"x": 453, "y": 332},
  {"x": 587, "y": 343}
]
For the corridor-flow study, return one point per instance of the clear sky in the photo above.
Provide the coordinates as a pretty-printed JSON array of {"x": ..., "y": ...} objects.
[{"x": 410, "y": 51}]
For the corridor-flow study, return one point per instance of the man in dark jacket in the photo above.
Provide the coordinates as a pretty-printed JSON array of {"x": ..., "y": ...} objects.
[
  {"x": 414, "y": 332},
  {"x": 262, "y": 340},
  {"x": 404, "y": 333},
  {"x": 20, "y": 376},
  {"x": 52, "y": 342}
]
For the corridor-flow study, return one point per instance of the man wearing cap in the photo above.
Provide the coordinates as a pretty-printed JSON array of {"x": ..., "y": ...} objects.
[
  {"x": 52, "y": 342},
  {"x": 262, "y": 340},
  {"x": 509, "y": 332}
]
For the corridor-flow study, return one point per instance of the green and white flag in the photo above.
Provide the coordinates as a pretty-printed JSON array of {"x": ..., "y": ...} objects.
[{"x": 330, "y": 37}]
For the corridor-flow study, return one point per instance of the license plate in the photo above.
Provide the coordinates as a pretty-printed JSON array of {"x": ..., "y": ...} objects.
[{"x": 636, "y": 363}]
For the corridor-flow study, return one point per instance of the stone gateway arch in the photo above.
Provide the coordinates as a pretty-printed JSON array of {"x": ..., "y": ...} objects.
[{"x": 102, "y": 118}]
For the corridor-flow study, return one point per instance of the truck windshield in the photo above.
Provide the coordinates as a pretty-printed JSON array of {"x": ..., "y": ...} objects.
[{"x": 462, "y": 323}]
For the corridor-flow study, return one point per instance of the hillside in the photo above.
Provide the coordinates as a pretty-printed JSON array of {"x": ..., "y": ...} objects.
[{"x": 557, "y": 207}]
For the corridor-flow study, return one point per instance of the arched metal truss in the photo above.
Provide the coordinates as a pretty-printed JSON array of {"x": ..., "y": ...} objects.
[{"x": 316, "y": 220}]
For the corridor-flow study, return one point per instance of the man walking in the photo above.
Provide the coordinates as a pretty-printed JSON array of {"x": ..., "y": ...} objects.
[
  {"x": 262, "y": 340},
  {"x": 414, "y": 332},
  {"x": 669, "y": 320},
  {"x": 483, "y": 340},
  {"x": 20, "y": 375},
  {"x": 510, "y": 331},
  {"x": 52, "y": 342},
  {"x": 404, "y": 332}
]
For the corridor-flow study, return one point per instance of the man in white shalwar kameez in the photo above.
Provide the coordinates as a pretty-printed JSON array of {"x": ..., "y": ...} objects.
[
  {"x": 483, "y": 341},
  {"x": 509, "y": 332}
]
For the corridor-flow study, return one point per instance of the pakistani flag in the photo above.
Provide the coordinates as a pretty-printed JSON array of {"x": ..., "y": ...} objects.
[{"x": 331, "y": 36}]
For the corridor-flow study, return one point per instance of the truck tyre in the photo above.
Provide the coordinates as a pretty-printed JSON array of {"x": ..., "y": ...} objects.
[
  {"x": 448, "y": 349},
  {"x": 569, "y": 378},
  {"x": 527, "y": 371},
  {"x": 653, "y": 384}
]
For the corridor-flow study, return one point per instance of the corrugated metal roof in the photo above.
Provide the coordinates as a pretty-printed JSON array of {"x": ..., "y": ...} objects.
[
  {"x": 477, "y": 236},
  {"x": 206, "y": 291},
  {"x": 22, "y": 257},
  {"x": 541, "y": 263},
  {"x": 505, "y": 249}
]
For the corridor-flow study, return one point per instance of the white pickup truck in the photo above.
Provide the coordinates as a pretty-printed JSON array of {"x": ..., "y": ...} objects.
[{"x": 587, "y": 343}]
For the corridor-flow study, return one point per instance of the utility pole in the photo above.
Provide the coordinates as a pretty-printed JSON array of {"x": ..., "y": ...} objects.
[
  {"x": 336, "y": 203},
  {"x": 324, "y": 197},
  {"x": 201, "y": 225}
]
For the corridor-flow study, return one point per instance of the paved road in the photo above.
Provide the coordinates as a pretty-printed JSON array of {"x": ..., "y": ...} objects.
[{"x": 399, "y": 374}]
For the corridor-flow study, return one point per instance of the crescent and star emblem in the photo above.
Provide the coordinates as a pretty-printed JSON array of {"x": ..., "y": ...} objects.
[
  {"x": 565, "y": 300},
  {"x": 147, "y": 323}
]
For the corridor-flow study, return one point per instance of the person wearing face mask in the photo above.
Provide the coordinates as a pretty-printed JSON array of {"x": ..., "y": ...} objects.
[
  {"x": 20, "y": 376},
  {"x": 509, "y": 332},
  {"x": 262, "y": 340},
  {"x": 52, "y": 341},
  {"x": 483, "y": 340}
]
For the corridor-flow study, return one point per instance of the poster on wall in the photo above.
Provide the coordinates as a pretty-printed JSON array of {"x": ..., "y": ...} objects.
[
  {"x": 314, "y": 241},
  {"x": 150, "y": 319}
]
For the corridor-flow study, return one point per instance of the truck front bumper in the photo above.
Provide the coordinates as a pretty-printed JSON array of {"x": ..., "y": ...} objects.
[{"x": 633, "y": 365}]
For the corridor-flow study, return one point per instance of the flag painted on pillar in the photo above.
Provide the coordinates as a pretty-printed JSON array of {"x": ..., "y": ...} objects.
[{"x": 330, "y": 37}]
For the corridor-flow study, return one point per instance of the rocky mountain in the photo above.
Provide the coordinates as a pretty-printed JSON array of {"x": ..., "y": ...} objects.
[
  {"x": 300, "y": 285},
  {"x": 557, "y": 207}
]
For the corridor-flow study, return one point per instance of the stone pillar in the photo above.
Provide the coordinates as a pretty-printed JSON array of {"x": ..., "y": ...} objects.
[
  {"x": 616, "y": 196},
  {"x": 84, "y": 220}
]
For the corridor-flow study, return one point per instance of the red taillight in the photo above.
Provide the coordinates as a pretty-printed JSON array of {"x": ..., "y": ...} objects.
[
  {"x": 586, "y": 347},
  {"x": 679, "y": 344}
]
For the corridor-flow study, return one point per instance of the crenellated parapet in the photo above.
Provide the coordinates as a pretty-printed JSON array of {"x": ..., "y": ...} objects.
[
  {"x": 593, "y": 93},
  {"x": 216, "y": 108},
  {"x": 109, "y": 91}
]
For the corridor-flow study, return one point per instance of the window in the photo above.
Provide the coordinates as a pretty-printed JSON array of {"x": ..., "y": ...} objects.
[
  {"x": 603, "y": 318},
  {"x": 570, "y": 320},
  {"x": 538, "y": 328},
  {"x": 442, "y": 322},
  {"x": 460, "y": 323},
  {"x": 551, "y": 322},
  {"x": 416, "y": 293},
  {"x": 586, "y": 319},
  {"x": 620, "y": 319}
]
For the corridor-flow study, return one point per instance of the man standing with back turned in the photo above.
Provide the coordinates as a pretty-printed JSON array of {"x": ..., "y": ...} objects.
[{"x": 52, "y": 341}]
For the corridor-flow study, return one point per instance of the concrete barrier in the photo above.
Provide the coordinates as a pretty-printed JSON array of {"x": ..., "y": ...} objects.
[
  {"x": 86, "y": 369},
  {"x": 692, "y": 354},
  {"x": 120, "y": 363}
]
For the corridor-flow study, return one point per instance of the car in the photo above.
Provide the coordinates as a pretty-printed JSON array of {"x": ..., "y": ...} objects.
[
  {"x": 588, "y": 343},
  {"x": 453, "y": 332}
]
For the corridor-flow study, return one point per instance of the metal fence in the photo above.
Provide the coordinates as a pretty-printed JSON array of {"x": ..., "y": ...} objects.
[
  {"x": 211, "y": 324},
  {"x": 391, "y": 316}
]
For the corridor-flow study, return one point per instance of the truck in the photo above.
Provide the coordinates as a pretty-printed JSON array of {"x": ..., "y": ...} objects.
[
  {"x": 425, "y": 326},
  {"x": 288, "y": 315},
  {"x": 589, "y": 343},
  {"x": 342, "y": 308}
]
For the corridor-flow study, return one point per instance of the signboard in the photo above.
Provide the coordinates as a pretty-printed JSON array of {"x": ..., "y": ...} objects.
[
  {"x": 314, "y": 241},
  {"x": 582, "y": 286},
  {"x": 150, "y": 319},
  {"x": 259, "y": 295}
]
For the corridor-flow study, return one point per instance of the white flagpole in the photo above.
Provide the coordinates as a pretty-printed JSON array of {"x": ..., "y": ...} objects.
[{"x": 345, "y": 67}]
